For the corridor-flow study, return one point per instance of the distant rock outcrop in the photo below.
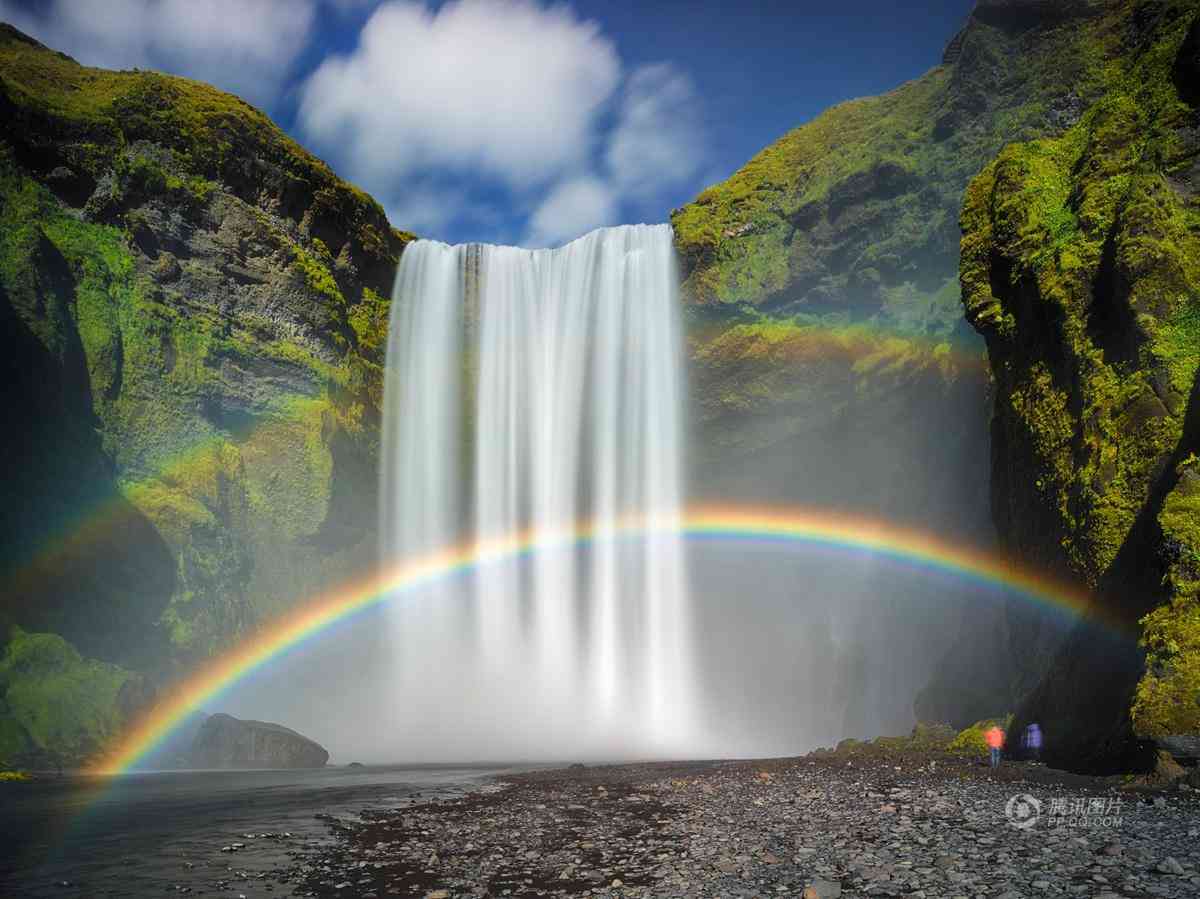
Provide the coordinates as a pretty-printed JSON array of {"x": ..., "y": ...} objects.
[{"x": 228, "y": 742}]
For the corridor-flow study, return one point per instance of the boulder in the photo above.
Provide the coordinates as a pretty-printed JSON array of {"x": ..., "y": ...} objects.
[
  {"x": 1183, "y": 748},
  {"x": 227, "y": 742}
]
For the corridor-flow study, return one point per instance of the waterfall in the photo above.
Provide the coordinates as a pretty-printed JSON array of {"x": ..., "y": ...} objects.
[{"x": 527, "y": 391}]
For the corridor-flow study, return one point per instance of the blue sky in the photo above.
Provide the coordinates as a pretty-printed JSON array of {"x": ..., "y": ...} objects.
[{"x": 518, "y": 121}]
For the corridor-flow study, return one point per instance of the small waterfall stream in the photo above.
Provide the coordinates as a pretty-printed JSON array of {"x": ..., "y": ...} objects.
[{"x": 528, "y": 391}]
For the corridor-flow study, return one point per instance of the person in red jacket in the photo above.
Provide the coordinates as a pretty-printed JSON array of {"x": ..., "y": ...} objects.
[{"x": 995, "y": 740}]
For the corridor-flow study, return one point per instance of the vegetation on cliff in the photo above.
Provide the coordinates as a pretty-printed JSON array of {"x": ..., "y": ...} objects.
[
  {"x": 857, "y": 210},
  {"x": 55, "y": 706},
  {"x": 195, "y": 329},
  {"x": 1081, "y": 268},
  {"x": 848, "y": 225},
  {"x": 825, "y": 322}
]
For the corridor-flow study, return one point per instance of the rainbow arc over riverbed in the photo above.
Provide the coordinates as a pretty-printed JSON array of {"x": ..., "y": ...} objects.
[{"x": 800, "y": 527}]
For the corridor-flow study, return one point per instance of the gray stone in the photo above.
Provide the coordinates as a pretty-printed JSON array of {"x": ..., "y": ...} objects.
[
  {"x": 826, "y": 889},
  {"x": 227, "y": 742},
  {"x": 1170, "y": 866}
]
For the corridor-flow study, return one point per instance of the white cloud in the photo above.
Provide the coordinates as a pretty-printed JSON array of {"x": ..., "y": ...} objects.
[
  {"x": 658, "y": 141},
  {"x": 656, "y": 144},
  {"x": 572, "y": 208},
  {"x": 503, "y": 88},
  {"x": 243, "y": 46},
  {"x": 449, "y": 114}
]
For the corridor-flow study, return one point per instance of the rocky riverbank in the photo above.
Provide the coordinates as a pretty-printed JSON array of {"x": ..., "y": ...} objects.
[{"x": 822, "y": 826}]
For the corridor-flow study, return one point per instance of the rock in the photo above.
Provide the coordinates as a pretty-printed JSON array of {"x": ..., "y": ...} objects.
[
  {"x": 227, "y": 742},
  {"x": 1186, "y": 71},
  {"x": 1018, "y": 15},
  {"x": 1170, "y": 866},
  {"x": 1180, "y": 747},
  {"x": 823, "y": 889},
  {"x": 1166, "y": 769},
  {"x": 1091, "y": 699}
]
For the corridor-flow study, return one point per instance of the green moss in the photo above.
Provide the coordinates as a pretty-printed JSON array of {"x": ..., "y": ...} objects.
[
  {"x": 1168, "y": 696},
  {"x": 1080, "y": 266},
  {"x": 972, "y": 741},
  {"x": 317, "y": 274},
  {"x": 880, "y": 179},
  {"x": 64, "y": 704},
  {"x": 369, "y": 319},
  {"x": 288, "y": 468},
  {"x": 770, "y": 361},
  {"x": 923, "y": 741},
  {"x": 1167, "y": 700},
  {"x": 1178, "y": 341}
]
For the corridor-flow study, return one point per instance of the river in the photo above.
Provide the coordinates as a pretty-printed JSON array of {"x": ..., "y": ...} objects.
[{"x": 149, "y": 834}]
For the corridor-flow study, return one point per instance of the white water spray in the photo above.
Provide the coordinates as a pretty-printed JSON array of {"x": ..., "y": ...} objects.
[{"x": 533, "y": 389}]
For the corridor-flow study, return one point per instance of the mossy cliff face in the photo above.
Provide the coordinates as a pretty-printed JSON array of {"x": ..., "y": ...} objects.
[
  {"x": 831, "y": 361},
  {"x": 1081, "y": 269},
  {"x": 848, "y": 227},
  {"x": 194, "y": 336},
  {"x": 858, "y": 209}
]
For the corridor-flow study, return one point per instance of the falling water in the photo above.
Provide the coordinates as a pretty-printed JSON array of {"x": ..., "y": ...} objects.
[{"x": 530, "y": 390}]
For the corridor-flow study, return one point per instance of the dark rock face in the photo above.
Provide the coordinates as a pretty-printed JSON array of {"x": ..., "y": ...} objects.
[
  {"x": 228, "y": 742},
  {"x": 1020, "y": 14},
  {"x": 1186, "y": 72}
]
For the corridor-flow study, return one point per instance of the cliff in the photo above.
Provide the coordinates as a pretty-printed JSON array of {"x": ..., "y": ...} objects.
[
  {"x": 227, "y": 742},
  {"x": 1081, "y": 269},
  {"x": 194, "y": 324},
  {"x": 822, "y": 278},
  {"x": 832, "y": 365},
  {"x": 857, "y": 211}
]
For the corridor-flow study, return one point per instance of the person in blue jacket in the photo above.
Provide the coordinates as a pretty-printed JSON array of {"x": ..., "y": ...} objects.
[{"x": 1031, "y": 741}]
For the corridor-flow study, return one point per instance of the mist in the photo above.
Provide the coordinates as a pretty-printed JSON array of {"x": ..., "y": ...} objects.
[{"x": 778, "y": 649}]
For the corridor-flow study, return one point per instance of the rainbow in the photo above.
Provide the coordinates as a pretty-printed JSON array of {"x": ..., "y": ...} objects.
[{"x": 789, "y": 526}]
